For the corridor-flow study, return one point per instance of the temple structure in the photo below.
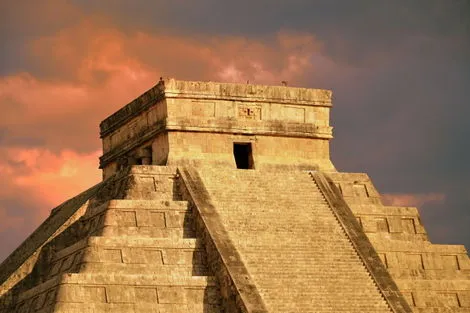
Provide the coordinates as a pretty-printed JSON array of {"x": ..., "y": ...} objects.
[{"x": 222, "y": 197}]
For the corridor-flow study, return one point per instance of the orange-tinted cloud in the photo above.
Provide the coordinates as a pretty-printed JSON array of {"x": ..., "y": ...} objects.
[
  {"x": 413, "y": 200},
  {"x": 45, "y": 178},
  {"x": 90, "y": 71},
  {"x": 49, "y": 121}
]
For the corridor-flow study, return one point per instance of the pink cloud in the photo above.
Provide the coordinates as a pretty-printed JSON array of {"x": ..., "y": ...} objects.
[
  {"x": 94, "y": 70},
  {"x": 88, "y": 70},
  {"x": 413, "y": 200},
  {"x": 47, "y": 178}
]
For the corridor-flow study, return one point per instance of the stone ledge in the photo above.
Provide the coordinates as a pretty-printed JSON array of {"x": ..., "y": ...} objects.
[
  {"x": 171, "y": 88},
  {"x": 214, "y": 90}
]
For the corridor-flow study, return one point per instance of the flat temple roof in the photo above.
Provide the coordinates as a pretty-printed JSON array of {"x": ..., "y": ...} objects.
[{"x": 172, "y": 88}]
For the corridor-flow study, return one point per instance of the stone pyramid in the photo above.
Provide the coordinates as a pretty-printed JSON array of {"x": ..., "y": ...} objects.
[{"x": 222, "y": 198}]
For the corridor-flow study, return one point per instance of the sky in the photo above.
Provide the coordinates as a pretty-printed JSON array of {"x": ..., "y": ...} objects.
[{"x": 399, "y": 71}]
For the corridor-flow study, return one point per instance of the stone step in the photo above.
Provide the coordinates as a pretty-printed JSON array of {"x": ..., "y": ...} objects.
[
  {"x": 410, "y": 246},
  {"x": 96, "y": 280},
  {"x": 127, "y": 250},
  {"x": 436, "y": 301},
  {"x": 159, "y": 205},
  {"x": 146, "y": 269},
  {"x": 117, "y": 289},
  {"x": 295, "y": 249},
  {"x": 382, "y": 210},
  {"x": 146, "y": 231},
  {"x": 126, "y": 213},
  {"x": 150, "y": 307},
  {"x": 387, "y": 236},
  {"x": 433, "y": 285},
  {"x": 429, "y": 274},
  {"x": 441, "y": 309},
  {"x": 144, "y": 214}
]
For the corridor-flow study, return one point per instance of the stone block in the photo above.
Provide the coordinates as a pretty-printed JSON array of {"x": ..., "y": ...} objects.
[
  {"x": 171, "y": 294},
  {"x": 120, "y": 294}
]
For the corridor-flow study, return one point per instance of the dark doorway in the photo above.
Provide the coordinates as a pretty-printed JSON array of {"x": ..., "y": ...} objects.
[{"x": 243, "y": 155}]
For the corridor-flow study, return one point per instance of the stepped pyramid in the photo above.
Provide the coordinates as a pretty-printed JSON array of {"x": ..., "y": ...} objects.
[{"x": 222, "y": 198}]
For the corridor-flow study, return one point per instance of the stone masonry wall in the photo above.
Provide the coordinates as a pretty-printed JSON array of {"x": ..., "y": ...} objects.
[
  {"x": 284, "y": 121},
  {"x": 432, "y": 277}
]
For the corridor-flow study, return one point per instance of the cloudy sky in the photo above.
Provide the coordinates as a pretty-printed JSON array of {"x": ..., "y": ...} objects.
[{"x": 399, "y": 71}]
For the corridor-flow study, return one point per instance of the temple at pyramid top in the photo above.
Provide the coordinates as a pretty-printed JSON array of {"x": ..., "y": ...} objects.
[{"x": 224, "y": 124}]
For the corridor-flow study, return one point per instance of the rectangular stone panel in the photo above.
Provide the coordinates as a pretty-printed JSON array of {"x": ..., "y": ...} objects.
[
  {"x": 382, "y": 224},
  {"x": 157, "y": 219},
  {"x": 369, "y": 224},
  {"x": 126, "y": 218},
  {"x": 163, "y": 184},
  {"x": 464, "y": 298},
  {"x": 93, "y": 294},
  {"x": 120, "y": 294},
  {"x": 145, "y": 295},
  {"x": 177, "y": 256},
  {"x": 111, "y": 255},
  {"x": 408, "y": 225},
  {"x": 450, "y": 262},
  {"x": 448, "y": 299},
  {"x": 432, "y": 261},
  {"x": 395, "y": 224},
  {"x": 207, "y": 295},
  {"x": 153, "y": 256},
  {"x": 175, "y": 219},
  {"x": 203, "y": 108},
  {"x": 294, "y": 114},
  {"x": 360, "y": 190},
  {"x": 171, "y": 294},
  {"x": 414, "y": 261}
]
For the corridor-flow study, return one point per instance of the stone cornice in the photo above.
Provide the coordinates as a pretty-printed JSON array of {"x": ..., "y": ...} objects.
[{"x": 171, "y": 88}]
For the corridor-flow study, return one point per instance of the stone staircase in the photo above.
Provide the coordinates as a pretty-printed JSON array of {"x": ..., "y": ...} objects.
[
  {"x": 138, "y": 255},
  {"x": 432, "y": 277},
  {"x": 293, "y": 246}
]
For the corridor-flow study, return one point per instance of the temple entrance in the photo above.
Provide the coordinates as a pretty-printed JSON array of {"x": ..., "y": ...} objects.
[{"x": 243, "y": 155}]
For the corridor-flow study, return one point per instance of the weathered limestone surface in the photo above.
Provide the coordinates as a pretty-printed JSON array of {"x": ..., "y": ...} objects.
[
  {"x": 296, "y": 251},
  {"x": 181, "y": 123},
  {"x": 21, "y": 262},
  {"x": 433, "y": 278},
  {"x": 176, "y": 227},
  {"x": 135, "y": 254}
]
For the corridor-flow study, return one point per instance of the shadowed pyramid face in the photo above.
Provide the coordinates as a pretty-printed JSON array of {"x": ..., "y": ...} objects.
[{"x": 179, "y": 122}]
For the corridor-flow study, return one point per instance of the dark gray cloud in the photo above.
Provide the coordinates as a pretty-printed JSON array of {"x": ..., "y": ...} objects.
[
  {"x": 352, "y": 31},
  {"x": 399, "y": 69}
]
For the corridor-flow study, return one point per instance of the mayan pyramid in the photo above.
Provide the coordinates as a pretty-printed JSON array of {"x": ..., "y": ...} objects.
[{"x": 222, "y": 197}]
